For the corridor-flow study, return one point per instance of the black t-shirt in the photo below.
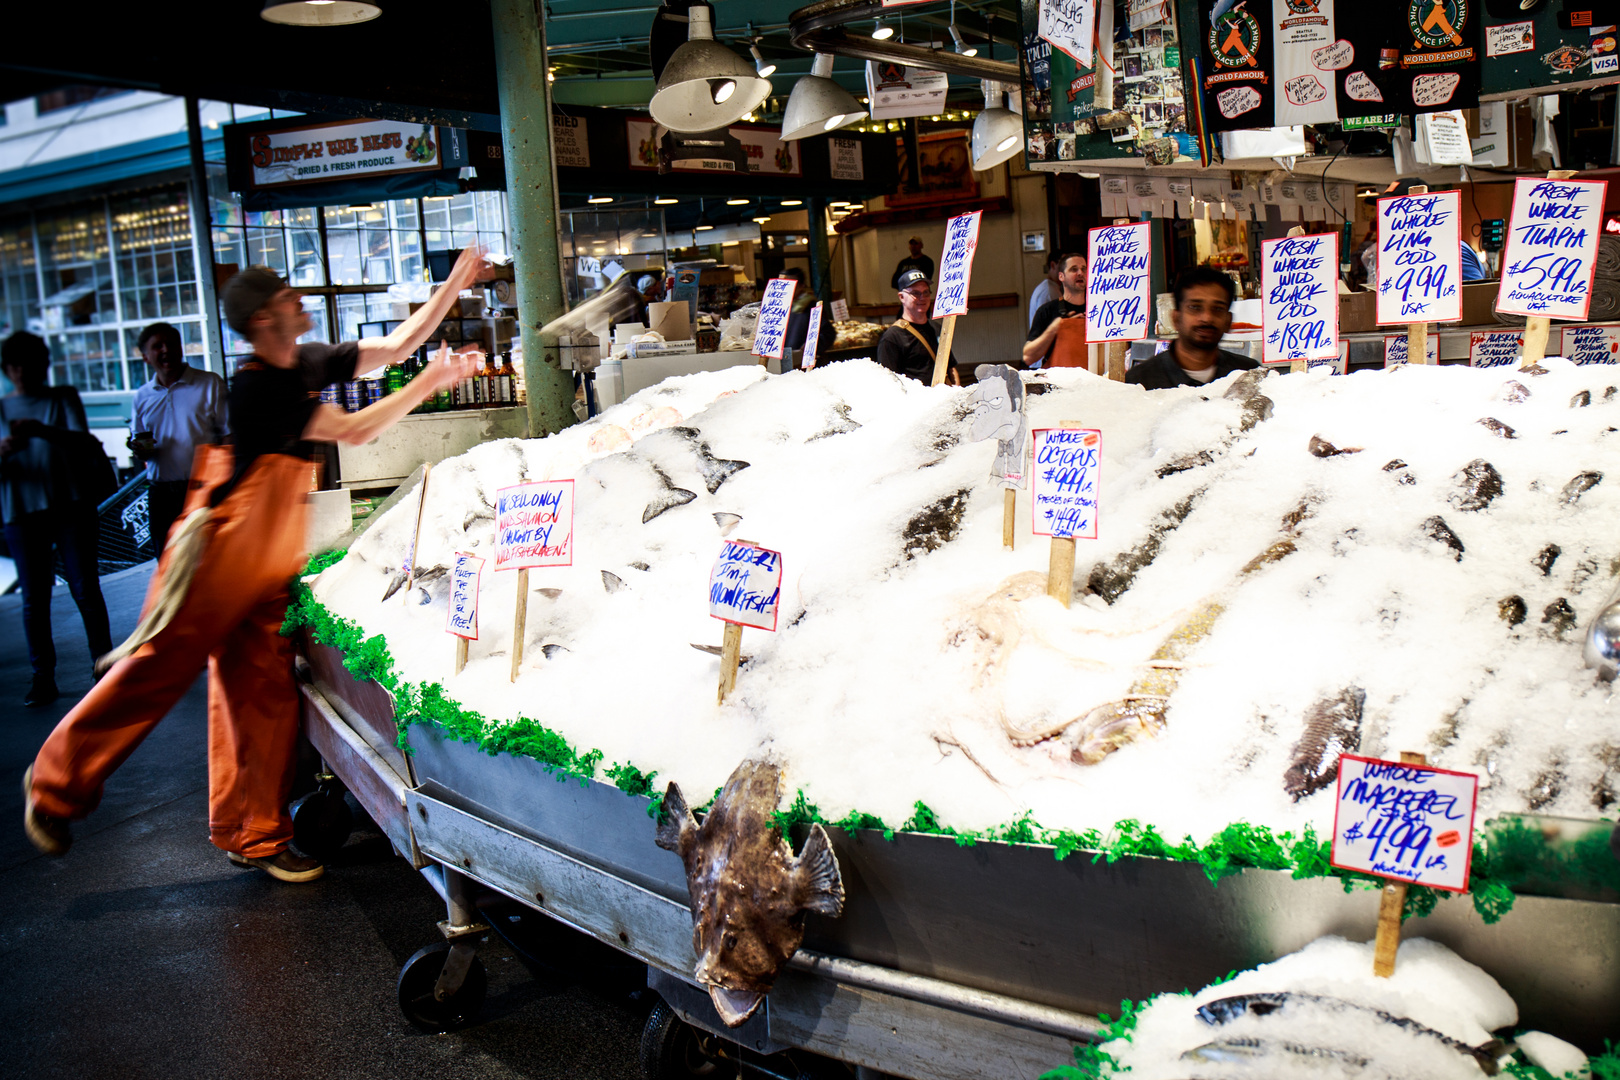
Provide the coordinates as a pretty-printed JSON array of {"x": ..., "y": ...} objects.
[
  {"x": 900, "y": 351},
  {"x": 1162, "y": 372},
  {"x": 271, "y": 406},
  {"x": 921, "y": 262},
  {"x": 1049, "y": 311}
]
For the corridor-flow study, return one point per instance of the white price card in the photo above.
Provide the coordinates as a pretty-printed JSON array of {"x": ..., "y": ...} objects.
[
  {"x": 745, "y": 586},
  {"x": 1551, "y": 251},
  {"x": 1419, "y": 258},
  {"x": 1395, "y": 350},
  {"x": 1497, "y": 348},
  {"x": 1412, "y": 823},
  {"x": 961, "y": 241},
  {"x": 1118, "y": 285},
  {"x": 464, "y": 574},
  {"x": 840, "y": 311},
  {"x": 770, "y": 332},
  {"x": 534, "y": 525},
  {"x": 812, "y": 338},
  {"x": 1063, "y": 482},
  {"x": 1592, "y": 344},
  {"x": 1071, "y": 26},
  {"x": 1299, "y": 307}
]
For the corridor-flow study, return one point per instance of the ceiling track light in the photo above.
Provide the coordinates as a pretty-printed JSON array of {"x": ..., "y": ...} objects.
[
  {"x": 320, "y": 12},
  {"x": 962, "y": 47},
  {"x": 882, "y": 31},
  {"x": 997, "y": 132},
  {"x": 818, "y": 104},
  {"x": 765, "y": 69}
]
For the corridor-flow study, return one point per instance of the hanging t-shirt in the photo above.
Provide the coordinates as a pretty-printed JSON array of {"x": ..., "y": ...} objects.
[
  {"x": 1303, "y": 43},
  {"x": 1236, "y": 81},
  {"x": 1367, "y": 82},
  {"x": 1440, "y": 68}
]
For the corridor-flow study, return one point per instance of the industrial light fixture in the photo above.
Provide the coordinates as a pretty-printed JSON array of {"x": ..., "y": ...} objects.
[
  {"x": 792, "y": 202},
  {"x": 665, "y": 202},
  {"x": 702, "y": 228},
  {"x": 962, "y": 47},
  {"x": 320, "y": 12},
  {"x": 761, "y": 65},
  {"x": 762, "y": 220},
  {"x": 597, "y": 200},
  {"x": 998, "y": 130},
  {"x": 818, "y": 104},
  {"x": 882, "y": 31},
  {"x": 705, "y": 85},
  {"x": 736, "y": 202}
]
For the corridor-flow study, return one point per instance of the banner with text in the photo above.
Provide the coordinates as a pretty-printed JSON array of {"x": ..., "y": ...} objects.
[
  {"x": 1070, "y": 25},
  {"x": 1299, "y": 310},
  {"x": 1307, "y": 56},
  {"x": 1419, "y": 258},
  {"x": 1551, "y": 252},
  {"x": 465, "y": 571},
  {"x": 341, "y": 151},
  {"x": 745, "y": 586},
  {"x": 1412, "y": 823},
  {"x": 733, "y": 150},
  {"x": 770, "y": 332},
  {"x": 961, "y": 241},
  {"x": 534, "y": 525},
  {"x": 1063, "y": 482},
  {"x": 1118, "y": 283}
]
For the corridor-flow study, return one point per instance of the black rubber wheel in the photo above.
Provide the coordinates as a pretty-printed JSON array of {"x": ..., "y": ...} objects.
[
  {"x": 416, "y": 982},
  {"x": 670, "y": 1048},
  {"x": 322, "y": 822}
]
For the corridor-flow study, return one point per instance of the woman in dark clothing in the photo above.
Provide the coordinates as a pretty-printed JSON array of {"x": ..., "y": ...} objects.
[{"x": 47, "y": 505}]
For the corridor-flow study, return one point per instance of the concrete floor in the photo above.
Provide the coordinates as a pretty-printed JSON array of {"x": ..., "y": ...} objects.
[{"x": 144, "y": 953}]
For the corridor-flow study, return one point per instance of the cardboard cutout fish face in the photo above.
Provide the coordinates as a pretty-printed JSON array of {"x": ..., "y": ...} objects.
[{"x": 749, "y": 892}]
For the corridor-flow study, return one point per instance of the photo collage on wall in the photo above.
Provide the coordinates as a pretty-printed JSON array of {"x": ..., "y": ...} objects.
[{"x": 1148, "y": 86}]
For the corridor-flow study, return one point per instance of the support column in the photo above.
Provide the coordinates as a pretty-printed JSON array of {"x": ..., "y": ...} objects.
[
  {"x": 202, "y": 240},
  {"x": 820, "y": 255},
  {"x": 531, "y": 189}
]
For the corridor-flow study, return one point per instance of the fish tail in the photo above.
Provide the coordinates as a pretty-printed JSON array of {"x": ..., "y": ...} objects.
[{"x": 1488, "y": 1055}]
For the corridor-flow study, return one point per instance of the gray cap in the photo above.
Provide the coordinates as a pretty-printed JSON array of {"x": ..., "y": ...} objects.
[
  {"x": 248, "y": 292},
  {"x": 910, "y": 278}
]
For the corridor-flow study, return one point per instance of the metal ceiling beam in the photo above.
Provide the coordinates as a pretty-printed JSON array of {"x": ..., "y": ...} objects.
[{"x": 819, "y": 28}]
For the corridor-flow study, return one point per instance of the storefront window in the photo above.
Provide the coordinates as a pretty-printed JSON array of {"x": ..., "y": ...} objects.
[
  {"x": 157, "y": 275},
  {"x": 19, "y": 278}
]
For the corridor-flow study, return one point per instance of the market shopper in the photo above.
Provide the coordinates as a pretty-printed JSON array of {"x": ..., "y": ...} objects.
[
  {"x": 915, "y": 261},
  {"x": 910, "y": 345},
  {"x": 1202, "y": 315},
  {"x": 1047, "y": 289},
  {"x": 1057, "y": 335},
  {"x": 53, "y": 473},
  {"x": 220, "y": 592},
  {"x": 177, "y": 410}
]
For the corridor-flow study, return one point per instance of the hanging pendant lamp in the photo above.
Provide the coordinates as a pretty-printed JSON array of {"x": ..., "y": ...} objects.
[
  {"x": 705, "y": 85},
  {"x": 818, "y": 104},
  {"x": 320, "y": 12},
  {"x": 997, "y": 132}
]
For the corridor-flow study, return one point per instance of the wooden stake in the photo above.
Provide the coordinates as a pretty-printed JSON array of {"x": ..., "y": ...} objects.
[
  {"x": 942, "y": 359},
  {"x": 1297, "y": 367},
  {"x": 416, "y": 536},
  {"x": 1390, "y": 906},
  {"x": 1009, "y": 505},
  {"x": 461, "y": 654},
  {"x": 1537, "y": 327},
  {"x": 1060, "y": 570},
  {"x": 730, "y": 655},
  {"x": 520, "y": 621},
  {"x": 1417, "y": 352},
  {"x": 1117, "y": 351}
]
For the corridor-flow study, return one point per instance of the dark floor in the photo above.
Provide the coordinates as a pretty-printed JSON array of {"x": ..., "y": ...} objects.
[{"x": 144, "y": 953}]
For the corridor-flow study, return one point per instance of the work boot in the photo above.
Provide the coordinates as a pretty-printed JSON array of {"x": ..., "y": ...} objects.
[
  {"x": 50, "y": 834},
  {"x": 283, "y": 865},
  {"x": 42, "y": 691}
]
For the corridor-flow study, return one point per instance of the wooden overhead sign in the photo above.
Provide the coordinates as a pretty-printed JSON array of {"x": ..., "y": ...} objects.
[{"x": 342, "y": 150}]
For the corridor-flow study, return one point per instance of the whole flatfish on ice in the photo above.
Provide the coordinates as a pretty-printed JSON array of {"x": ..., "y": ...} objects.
[{"x": 749, "y": 892}]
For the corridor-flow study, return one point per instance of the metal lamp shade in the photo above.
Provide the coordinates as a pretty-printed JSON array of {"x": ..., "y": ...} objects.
[
  {"x": 705, "y": 85},
  {"x": 997, "y": 133},
  {"x": 324, "y": 13},
  {"x": 818, "y": 104}
]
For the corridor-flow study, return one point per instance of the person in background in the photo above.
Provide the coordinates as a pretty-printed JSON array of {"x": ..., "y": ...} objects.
[
  {"x": 1048, "y": 288},
  {"x": 910, "y": 345},
  {"x": 48, "y": 501},
  {"x": 804, "y": 301},
  {"x": 178, "y": 409},
  {"x": 1057, "y": 335},
  {"x": 649, "y": 290},
  {"x": 915, "y": 261},
  {"x": 1201, "y": 317},
  {"x": 1473, "y": 267},
  {"x": 220, "y": 594}
]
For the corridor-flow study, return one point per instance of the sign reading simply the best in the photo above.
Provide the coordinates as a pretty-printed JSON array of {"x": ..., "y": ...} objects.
[
  {"x": 534, "y": 525},
  {"x": 961, "y": 241},
  {"x": 1118, "y": 300},
  {"x": 1063, "y": 488},
  {"x": 341, "y": 151},
  {"x": 1419, "y": 259},
  {"x": 464, "y": 574},
  {"x": 770, "y": 332},
  {"x": 1412, "y": 823},
  {"x": 745, "y": 586},
  {"x": 1299, "y": 301},
  {"x": 1551, "y": 251}
]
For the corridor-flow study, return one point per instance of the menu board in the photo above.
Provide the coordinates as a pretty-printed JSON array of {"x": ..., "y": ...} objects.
[
  {"x": 1419, "y": 258},
  {"x": 1299, "y": 301},
  {"x": 1551, "y": 251}
]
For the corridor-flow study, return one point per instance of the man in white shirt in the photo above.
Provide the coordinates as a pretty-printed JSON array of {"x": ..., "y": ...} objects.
[
  {"x": 1047, "y": 290},
  {"x": 178, "y": 409}
]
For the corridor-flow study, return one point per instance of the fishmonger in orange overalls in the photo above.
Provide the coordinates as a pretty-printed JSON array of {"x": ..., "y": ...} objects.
[
  {"x": 220, "y": 591},
  {"x": 1057, "y": 333}
]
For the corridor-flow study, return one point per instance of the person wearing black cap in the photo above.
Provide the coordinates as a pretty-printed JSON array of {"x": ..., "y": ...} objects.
[
  {"x": 910, "y": 345},
  {"x": 220, "y": 595},
  {"x": 915, "y": 261}
]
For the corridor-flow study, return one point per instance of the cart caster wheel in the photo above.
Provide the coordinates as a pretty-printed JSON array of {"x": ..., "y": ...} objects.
[
  {"x": 416, "y": 984},
  {"x": 321, "y": 822},
  {"x": 672, "y": 1049}
]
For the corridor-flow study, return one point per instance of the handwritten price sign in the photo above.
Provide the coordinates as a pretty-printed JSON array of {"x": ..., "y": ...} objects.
[
  {"x": 1592, "y": 344},
  {"x": 1395, "y": 350},
  {"x": 770, "y": 332},
  {"x": 1064, "y": 487},
  {"x": 812, "y": 338},
  {"x": 1496, "y": 348},
  {"x": 745, "y": 585},
  {"x": 1419, "y": 259},
  {"x": 1407, "y": 822},
  {"x": 1551, "y": 252},
  {"x": 961, "y": 240},
  {"x": 534, "y": 525},
  {"x": 1070, "y": 25},
  {"x": 1299, "y": 306},
  {"x": 1118, "y": 303},
  {"x": 464, "y": 575}
]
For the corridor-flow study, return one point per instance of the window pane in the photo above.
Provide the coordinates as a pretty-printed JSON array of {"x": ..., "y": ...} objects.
[
  {"x": 343, "y": 254},
  {"x": 267, "y": 247},
  {"x": 316, "y": 306},
  {"x": 351, "y": 312},
  {"x": 379, "y": 251},
  {"x": 404, "y": 212},
  {"x": 309, "y": 269}
]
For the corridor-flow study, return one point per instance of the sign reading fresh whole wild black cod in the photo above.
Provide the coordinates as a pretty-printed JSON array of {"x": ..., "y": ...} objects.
[{"x": 1299, "y": 309}]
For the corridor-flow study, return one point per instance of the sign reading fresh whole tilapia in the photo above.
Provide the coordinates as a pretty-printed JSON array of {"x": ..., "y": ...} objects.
[
  {"x": 1551, "y": 253},
  {"x": 1419, "y": 259},
  {"x": 1299, "y": 298},
  {"x": 1412, "y": 823}
]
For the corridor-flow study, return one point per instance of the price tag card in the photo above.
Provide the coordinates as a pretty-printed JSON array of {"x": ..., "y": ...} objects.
[
  {"x": 961, "y": 240},
  {"x": 534, "y": 525},
  {"x": 1063, "y": 487},
  {"x": 464, "y": 574},
  {"x": 1412, "y": 823},
  {"x": 1496, "y": 348},
  {"x": 745, "y": 585},
  {"x": 1118, "y": 303},
  {"x": 1551, "y": 251},
  {"x": 812, "y": 338},
  {"x": 770, "y": 332},
  {"x": 1592, "y": 344},
  {"x": 1299, "y": 302},
  {"x": 840, "y": 311},
  {"x": 1395, "y": 349},
  {"x": 1071, "y": 26},
  {"x": 1419, "y": 258}
]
